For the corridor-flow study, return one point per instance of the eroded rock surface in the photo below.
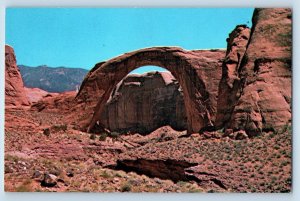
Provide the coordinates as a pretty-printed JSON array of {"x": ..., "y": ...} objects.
[
  {"x": 142, "y": 103},
  {"x": 55, "y": 102},
  {"x": 35, "y": 94},
  {"x": 15, "y": 95},
  {"x": 236, "y": 47},
  {"x": 261, "y": 95}
]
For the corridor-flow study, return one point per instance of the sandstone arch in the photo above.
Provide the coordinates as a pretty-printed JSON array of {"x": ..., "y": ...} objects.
[{"x": 197, "y": 71}]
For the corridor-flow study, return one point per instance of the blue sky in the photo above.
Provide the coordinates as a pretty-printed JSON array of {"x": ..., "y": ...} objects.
[{"x": 82, "y": 37}]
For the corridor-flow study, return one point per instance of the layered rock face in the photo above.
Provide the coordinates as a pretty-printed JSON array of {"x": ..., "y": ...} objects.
[
  {"x": 262, "y": 87},
  {"x": 142, "y": 103},
  {"x": 15, "y": 95},
  {"x": 230, "y": 82}
]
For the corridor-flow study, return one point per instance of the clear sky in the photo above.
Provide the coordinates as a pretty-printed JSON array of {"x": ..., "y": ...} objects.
[{"x": 82, "y": 37}]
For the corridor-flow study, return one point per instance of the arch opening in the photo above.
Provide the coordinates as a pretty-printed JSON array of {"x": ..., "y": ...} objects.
[{"x": 148, "y": 98}]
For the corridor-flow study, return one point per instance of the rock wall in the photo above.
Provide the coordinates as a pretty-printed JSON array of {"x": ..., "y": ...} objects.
[
  {"x": 229, "y": 84},
  {"x": 15, "y": 95},
  {"x": 261, "y": 99},
  {"x": 143, "y": 103}
]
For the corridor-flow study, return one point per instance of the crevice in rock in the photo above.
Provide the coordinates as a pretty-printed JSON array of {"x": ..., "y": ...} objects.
[
  {"x": 203, "y": 178},
  {"x": 219, "y": 183},
  {"x": 201, "y": 173},
  {"x": 163, "y": 169},
  {"x": 175, "y": 170}
]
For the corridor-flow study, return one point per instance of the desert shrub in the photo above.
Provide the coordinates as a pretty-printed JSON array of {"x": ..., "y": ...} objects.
[
  {"x": 105, "y": 174},
  {"x": 25, "y": 186},
  {"x": 276, "y": 147},
  {"x": 102, "y": 136},
  {"x": 181, "y": 183},
  {"x": 60, "y": 127},
  {"x": 126, "y": 187},
  {"x": 114, "y": 135},
  {"x": 11, "y": 158},
  {"x": 46, "y": 132},
  {"x": 92, "y": 136},
  {"x": 195, "y": 190},
  {"x": 284, "y": 163}
]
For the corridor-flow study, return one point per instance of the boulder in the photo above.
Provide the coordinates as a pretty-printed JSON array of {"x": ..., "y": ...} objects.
[
  {"x": 37, "y": 175},
  {"x": 240, "y": 135},
  {"x": 49, "y": 180}
]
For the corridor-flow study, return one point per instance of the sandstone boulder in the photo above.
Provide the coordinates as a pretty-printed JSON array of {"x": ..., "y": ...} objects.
[
  {"x": 49, "y": 180},
  {"x": 35, "y": 94},
  {"x": 239, "y": 135}
]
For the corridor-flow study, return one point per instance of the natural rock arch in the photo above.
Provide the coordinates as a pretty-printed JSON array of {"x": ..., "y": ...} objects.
[{"x": 198, "y": 72}]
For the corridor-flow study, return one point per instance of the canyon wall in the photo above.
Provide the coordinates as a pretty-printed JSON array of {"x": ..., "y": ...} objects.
[
  {"x": 143, "y": 103},
  {"x": 259, "y": 94}
]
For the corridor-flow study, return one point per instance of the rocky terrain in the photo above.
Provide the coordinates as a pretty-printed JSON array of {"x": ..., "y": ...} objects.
[
  {"x": 59, "y": 79},
  {"x": 42, "y": 153},
  {"x": 238, "y": 135}
]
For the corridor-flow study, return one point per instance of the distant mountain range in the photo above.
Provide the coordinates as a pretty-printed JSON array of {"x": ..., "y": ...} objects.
[{"x": 58, "y": 79}]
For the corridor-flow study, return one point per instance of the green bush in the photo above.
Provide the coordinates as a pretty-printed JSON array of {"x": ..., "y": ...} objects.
[
  {"x": 126, "y": 187},
  {"x": 103, "y": 137},
  {"x": 93, "y": 137}
]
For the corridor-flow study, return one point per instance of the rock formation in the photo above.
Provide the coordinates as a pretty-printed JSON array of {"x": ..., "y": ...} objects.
[
  {"x": 228, "y": 87},
  {"x": 198, "y": 73},
  {"x": 254, "y": 93},
  {"x": 142, "y": 103},
  {"x": 261, "y": 95},
  {"x": 248, "y": 90},
  {"x": 36, "y": 94},
  {"x": 15, "y": 95},
  {"x": 56, "y": 102}
]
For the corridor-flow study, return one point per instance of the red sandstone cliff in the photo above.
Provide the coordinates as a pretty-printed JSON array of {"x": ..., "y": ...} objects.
[
  {"x": 15, "y": 95},
  {"x": 143, "y": 103},
  {"x": 261, "y": 95}
]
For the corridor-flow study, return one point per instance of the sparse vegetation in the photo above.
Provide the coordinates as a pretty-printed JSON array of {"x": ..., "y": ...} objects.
[
  {"x": 92, "y": 136},
  {"x": 266, "y": 169},
  {"x": 103, "y": 136},
  {"x": 126, "y": 187}
]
